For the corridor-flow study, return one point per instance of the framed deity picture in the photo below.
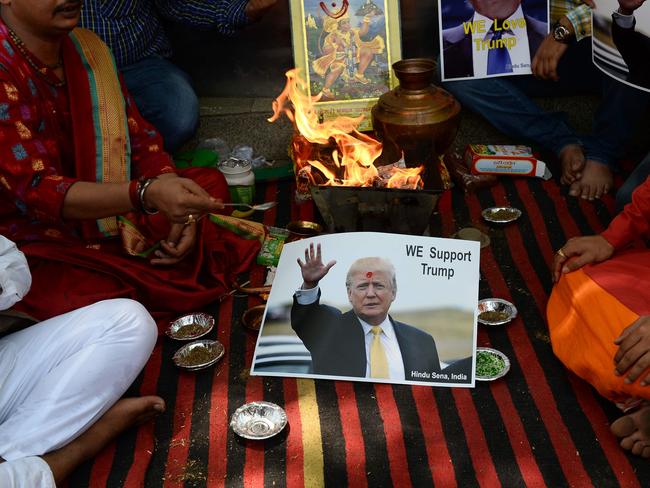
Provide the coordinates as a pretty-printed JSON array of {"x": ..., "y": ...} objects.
[{"x": 343, "y": 50}]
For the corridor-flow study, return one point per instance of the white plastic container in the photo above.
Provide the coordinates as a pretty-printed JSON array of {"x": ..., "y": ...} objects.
[{"x": 240, "y": 179}]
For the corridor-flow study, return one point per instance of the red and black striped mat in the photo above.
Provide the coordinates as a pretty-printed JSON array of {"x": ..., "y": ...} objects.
[{"x": 538, "y": 426}]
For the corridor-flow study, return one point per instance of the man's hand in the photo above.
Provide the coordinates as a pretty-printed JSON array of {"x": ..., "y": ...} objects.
[
  {"x": 627, "y": 7},
  {"x": 178, "y": 198},
  {"x": 256, "y": 8},
  {"x": 313, "y": 270},
  {"x": 634, "y": 351},
  {"x": 584, "y": 250},
  {"x": 547, "y": 58},
  {"x": 178, "y": 245}
]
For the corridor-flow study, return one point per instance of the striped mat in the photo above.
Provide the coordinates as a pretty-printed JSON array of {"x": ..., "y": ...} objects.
[{"x": 538, "y": 426}]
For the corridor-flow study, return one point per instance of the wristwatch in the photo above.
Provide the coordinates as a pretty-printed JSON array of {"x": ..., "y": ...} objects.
[{"x": 561, "y": 33}]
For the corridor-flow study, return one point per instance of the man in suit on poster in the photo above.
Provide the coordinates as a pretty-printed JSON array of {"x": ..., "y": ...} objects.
[
  {"x": 499, "y": 38},
  {"x": 365, "y": 341},
  {"x": 633, "y": 45}
]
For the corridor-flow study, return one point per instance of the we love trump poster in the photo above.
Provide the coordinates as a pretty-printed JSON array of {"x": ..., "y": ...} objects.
[{"x": 487, "y": 38}]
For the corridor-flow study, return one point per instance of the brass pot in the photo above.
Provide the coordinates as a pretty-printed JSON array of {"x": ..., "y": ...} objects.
[{"x": 417, "y": 119}]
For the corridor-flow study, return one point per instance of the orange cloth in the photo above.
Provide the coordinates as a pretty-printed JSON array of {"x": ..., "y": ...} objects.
[{"x": 583, "y": 320}]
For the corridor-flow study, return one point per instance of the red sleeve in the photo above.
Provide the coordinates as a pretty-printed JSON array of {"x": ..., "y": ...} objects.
[
  {"x": 148, "y": 158},
  {"x": 29, "y": 160},
  {"x": 634, "y": 221}
]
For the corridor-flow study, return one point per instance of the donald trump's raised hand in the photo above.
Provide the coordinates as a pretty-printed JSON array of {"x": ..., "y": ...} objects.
[{"x": 313, "y": 270}]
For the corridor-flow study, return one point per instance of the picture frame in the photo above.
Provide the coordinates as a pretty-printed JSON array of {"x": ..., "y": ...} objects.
[{"x": 344, "y": 51}]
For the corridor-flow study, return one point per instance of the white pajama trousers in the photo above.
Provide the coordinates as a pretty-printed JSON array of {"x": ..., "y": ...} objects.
[{"x": 58, "y": 377}]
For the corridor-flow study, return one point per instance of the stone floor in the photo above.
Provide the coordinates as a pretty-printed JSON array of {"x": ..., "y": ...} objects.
[{"x": 244, "y": 121}]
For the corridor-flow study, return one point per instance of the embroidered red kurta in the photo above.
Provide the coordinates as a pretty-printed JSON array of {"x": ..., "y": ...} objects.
[{"x": 39, "y": 161}]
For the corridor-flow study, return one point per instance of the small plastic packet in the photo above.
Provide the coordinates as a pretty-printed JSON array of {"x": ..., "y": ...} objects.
[{"x": 272, "y": 245}]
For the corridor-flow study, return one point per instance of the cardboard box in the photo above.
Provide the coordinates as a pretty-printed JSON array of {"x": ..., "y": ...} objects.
[{"x": 504, "y": 160}]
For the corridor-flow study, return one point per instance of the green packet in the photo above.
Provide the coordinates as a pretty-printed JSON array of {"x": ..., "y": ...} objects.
[{"x": 269, "y": 254}]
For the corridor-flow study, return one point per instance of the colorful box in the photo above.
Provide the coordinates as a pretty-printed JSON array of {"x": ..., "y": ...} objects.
[{"x": 504, "y": 160}]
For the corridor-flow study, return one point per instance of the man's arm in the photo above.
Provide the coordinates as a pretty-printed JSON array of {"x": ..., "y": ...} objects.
[
  {"x": 15, "y": 278},
  {"x": 226, "y": 16}
]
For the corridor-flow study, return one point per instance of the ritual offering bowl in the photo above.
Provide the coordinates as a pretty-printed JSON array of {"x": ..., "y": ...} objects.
[
  {"x": 490, "y": 364},
  {"x": 473, "y": 234},
  {"x": 501, "y": 215},
  {"x": 199, "y": 355},
  {"x": 190, "y": 326},
  {"x": 258, "y": 420},
  {"x": 252, "y": 318},
  {"x": 495, "y": 311},
  {"x": 302, "y": 229}
]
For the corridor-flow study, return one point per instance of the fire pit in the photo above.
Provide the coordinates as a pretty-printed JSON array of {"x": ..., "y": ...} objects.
[
  {"x": 337, "y": 166},
  {"x": 348, "y": 209}
]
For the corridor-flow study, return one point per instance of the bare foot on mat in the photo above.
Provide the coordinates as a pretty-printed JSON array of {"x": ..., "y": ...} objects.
[
  {"x": 596, "y": 181},
  {"x": 634, "y": 431},
  {"x": 126, "y": 413},
  {"x": 572, "y": 160}
]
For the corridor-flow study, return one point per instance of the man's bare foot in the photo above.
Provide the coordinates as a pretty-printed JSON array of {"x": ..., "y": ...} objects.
[
  {"x": 596, "y": 181},
  {"x": 572, "y": 160},
  {"x": 634, "y": 431},
  {"x": 126, "y": 413}
]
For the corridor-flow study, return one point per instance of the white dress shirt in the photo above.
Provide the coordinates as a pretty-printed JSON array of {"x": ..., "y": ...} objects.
[
  {"x": 519, "y": 53},
  {"x": 387, "y": 337}
]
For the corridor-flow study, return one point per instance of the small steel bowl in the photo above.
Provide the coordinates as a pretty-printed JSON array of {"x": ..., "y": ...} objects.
[
  {"x": 493, "y": 352},
  {"x": 473, "y": 234},
  {"x": 202, "y": 322},
  {"x": 492, "y": 214},
  {"x": 258, "y": 420},
  {"x": 302, "y": 229},
  {"x": 215, "y": 348},
  {"x": 496, "y": 305},
  {"x": 252, "y": 318}
]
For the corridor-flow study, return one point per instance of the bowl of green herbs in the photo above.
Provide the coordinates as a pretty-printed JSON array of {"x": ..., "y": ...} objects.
[{"x": 490, "y": 364}]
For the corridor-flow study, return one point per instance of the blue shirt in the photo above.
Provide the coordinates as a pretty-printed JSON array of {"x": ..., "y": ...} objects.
[{"x": 133, "y": 28}]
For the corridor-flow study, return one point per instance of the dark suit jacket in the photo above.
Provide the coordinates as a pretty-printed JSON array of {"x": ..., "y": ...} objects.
[
  {"x": 337, "y": 344},
  {"x": 457, "y": 47},
  {"x": 635, "y": 49}
]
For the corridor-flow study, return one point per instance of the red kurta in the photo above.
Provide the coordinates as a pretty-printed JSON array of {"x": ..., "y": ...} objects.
[
  {"x": 590, "y": 307},
  {"x": 38, "y": 147}
]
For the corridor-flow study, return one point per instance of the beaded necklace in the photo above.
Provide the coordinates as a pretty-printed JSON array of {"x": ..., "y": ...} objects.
[{"x": 42, "y": 71}]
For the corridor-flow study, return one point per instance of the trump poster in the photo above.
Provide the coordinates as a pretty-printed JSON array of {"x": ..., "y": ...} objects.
[
  {"x": 621, "y": 41},
  {"x": 373, "y": 307},
  {"x": 487, "y": 38}
]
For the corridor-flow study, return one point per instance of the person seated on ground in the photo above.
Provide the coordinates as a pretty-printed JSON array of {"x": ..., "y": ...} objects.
[
  {"x": 67, "y": 361},
  {"x": 635, "y": 49},
  {"x": 562, "y": 65},
  {"x": 599, "y": 316},
  {"x": 134, "y": 31},
  {"x": 74, "y": 155}
]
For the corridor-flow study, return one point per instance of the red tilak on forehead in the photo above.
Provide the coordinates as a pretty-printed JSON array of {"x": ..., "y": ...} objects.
[{"x": 369, "y": 274}]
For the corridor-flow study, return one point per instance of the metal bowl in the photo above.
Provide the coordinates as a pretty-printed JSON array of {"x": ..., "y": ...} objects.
[
  {"x": 258, "y": 420},
  {"x": 252, "y": 318},
  {"x": 302, "y": 229},
  {"x": 492, "y": 352},
  {"x": 212, "y": 351},
  {"x": 190, "y": 326},
  {"x": 473, "y": 234},
  {"x": 501, "y": 215},
  {"x": 502, "y": 307}
]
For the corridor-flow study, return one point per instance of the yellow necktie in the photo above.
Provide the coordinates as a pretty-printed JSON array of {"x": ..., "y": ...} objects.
[{"x": 378, "y": 361}]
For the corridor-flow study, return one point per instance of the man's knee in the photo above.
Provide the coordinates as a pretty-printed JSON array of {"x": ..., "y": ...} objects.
[{"x": 133, "y": 319}]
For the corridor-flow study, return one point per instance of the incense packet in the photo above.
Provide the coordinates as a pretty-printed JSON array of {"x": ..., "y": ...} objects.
[{"x": 504, "y": 160}]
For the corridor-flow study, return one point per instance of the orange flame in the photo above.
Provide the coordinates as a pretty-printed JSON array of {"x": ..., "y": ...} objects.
[{"x": 354, "y": 153}]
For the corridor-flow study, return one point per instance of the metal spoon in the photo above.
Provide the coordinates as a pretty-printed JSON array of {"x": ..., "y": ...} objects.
[{"x": 259, "y": 206}]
